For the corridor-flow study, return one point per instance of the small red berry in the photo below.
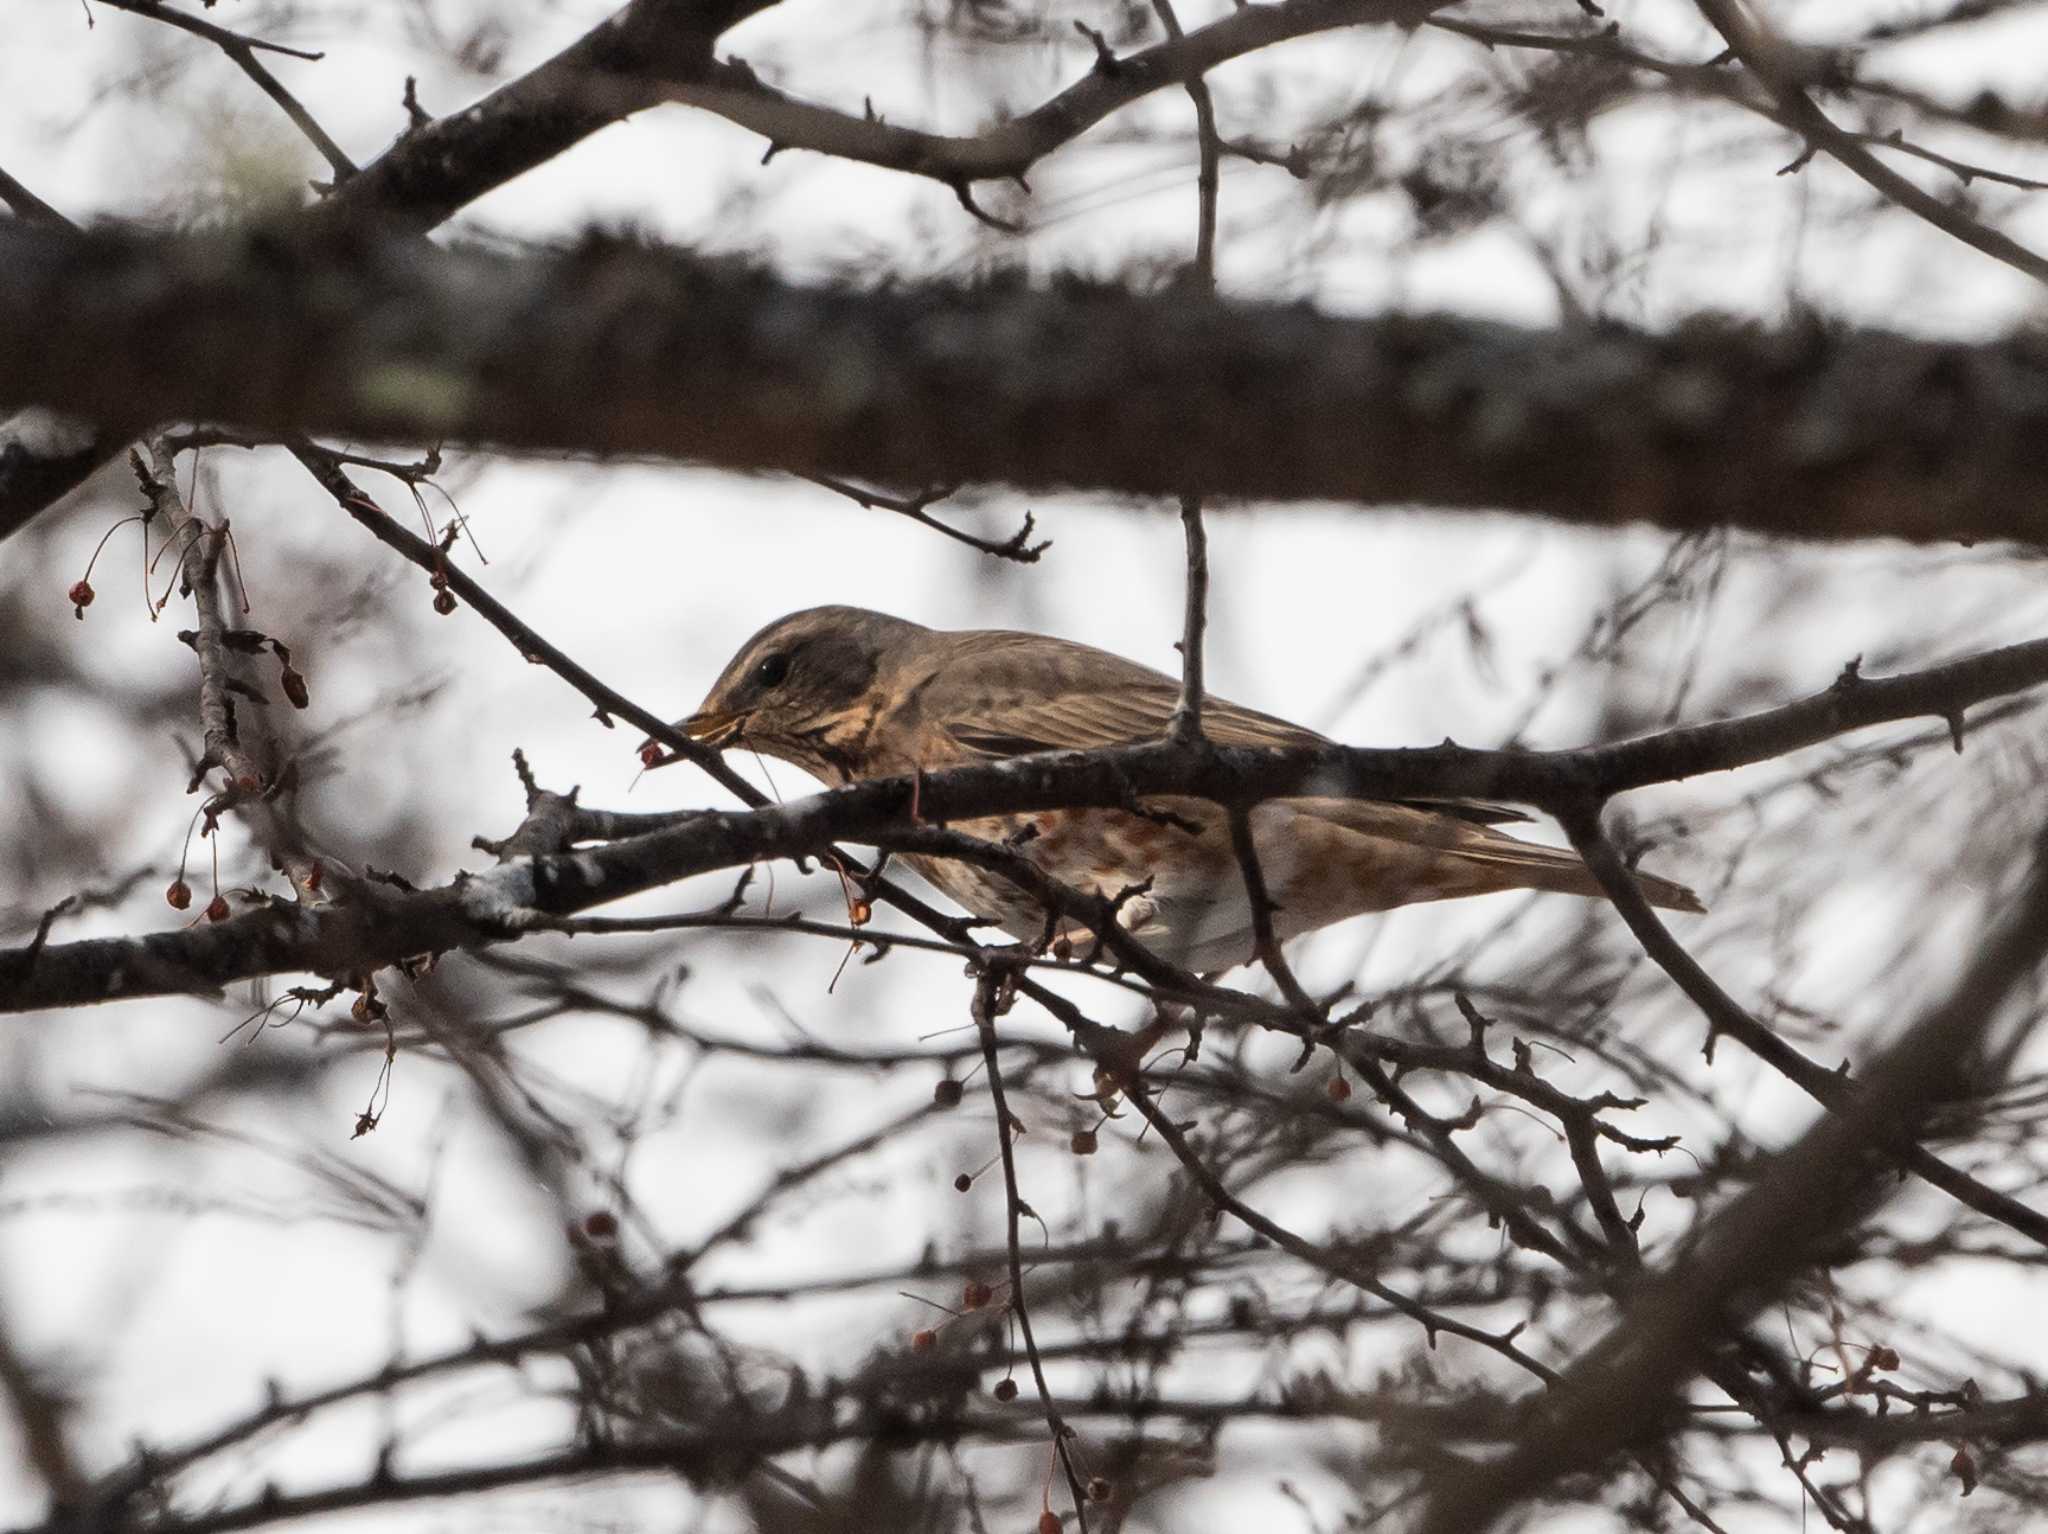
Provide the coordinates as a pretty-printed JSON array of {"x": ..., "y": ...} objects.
[
  {"x": 650, "y": 754},
  {"x": 946, "y": 1093},
  {"x": 1048, "y": 1522},
  {"x": 1006, "y": 1390},
  {"x": 438, "y": 580},
  {"x": 217, "y": 908},
  {"x": 179, "y": 894},
  {"x": 81, "y": 596},
  {"x": 601, "y": 1225},
  {"x": 444, "y": 603},
  {"x": 294, "y": 684},
  {"x": 923, "y": 1340},
  {"x": 962, "y": 1183},
  {"x": 1339, "y": 1089},
  {"x": 1083, "y": 1143},
  {"x": 975, "y": 1294}
]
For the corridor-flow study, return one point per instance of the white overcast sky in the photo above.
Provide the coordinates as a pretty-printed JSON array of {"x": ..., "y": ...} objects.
[{"x": 652, "y": 575}]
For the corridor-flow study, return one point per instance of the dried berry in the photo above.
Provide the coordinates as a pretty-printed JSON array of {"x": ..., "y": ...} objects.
[
  {"x": 1339, "y": 1089},
  {"x": 962, "y": 1183},
  {"x": 444, "y": 603},
  {"x": 923, "y": 1340},
  {"x": 179, "y": 894},
  {"x": 217, "y": 908},
  {"x": 1006, "y": 1390},
  {"x": 81, "y": 596},
  {"x": 1083, "y": 1143},
  {"x": 650, "y": 754},
  {"x": 601, "y": 1225},
  {"x": 975, "y": 1294},
  {"x": 1048, "y": 1522},
  {"x": 946, "y": 1093}
]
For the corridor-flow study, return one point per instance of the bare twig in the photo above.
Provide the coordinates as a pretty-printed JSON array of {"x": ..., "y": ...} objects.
[
  {"x": 1619, "y": 1390},
  {"x": 1725, "y": 1015},
  {"x": 1017, "y": 546},
  {"x": 242, "y": 52},
  {"x": 988, "y": 985},
  {"x": 29, "y": 206},
  {"x": 1008, "y": 150},
  {"x": 1778, "y": 67}
]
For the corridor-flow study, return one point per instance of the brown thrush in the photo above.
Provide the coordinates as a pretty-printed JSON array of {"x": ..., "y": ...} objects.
[{"x": 848, "y": 694}]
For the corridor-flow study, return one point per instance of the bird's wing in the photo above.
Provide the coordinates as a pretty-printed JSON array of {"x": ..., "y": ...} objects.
[{"x": 1013, "y": 694}]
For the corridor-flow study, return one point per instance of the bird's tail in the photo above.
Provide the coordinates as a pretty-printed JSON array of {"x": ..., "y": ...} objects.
[
  {"x": 1529, "y": 865},
  {"x": 1425, "y": 854}
]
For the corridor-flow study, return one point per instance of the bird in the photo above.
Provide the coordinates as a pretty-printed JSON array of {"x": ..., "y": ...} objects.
[{"x": 846, "y": 695}]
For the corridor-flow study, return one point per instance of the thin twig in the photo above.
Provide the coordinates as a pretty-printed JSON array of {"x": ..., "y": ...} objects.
[
  {"x": 242, "y": 51},
  {"x": 1726, "y": 1015},
  {"x": 1617, "y": 1392},
  {"x": 28, "y": 206},
  {"x": 1775, "y": 64},
  {"x": 1185, "y": 727},
  {"x": 1017, "y": 546},
  {"x": 988, "y": 983}
]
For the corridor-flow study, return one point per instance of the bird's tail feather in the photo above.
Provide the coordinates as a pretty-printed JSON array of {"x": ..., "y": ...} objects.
[{"x": 1529, "y": 865}]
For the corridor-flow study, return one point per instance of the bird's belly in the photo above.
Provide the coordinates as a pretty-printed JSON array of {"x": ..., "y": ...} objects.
[
  {"x": 1178, "y": 890},
  {"x": 1182, "y": 892}
]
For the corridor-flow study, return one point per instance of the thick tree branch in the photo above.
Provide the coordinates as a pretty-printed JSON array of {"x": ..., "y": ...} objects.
[
  {"x": 623, "y": 65},
  {"x": 433, "y": 171},
  {"x": 613, "y": 348}
]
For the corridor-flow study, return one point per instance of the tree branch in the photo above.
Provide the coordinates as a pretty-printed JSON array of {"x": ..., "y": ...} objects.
[
  {"x": 241, "y": 51},
  {"x": 1844, "y": 434},
  {"x": 1009, "y": 149},
  {"x": 435, "y": 169},
  {"x": 377, "y": 925},
  {"x": 1779, "y": 67},
  {"x": 1618, "y": 1393}
]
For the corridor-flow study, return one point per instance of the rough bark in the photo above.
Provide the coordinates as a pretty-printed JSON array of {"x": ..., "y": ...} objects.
[{"x": 615, "y": 348}]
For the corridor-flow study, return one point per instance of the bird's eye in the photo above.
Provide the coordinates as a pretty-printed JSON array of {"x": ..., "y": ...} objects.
[{"x": 771, "y": 671}]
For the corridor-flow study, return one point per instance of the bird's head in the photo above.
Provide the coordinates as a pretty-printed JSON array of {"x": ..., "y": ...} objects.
[{"x": 796, "y": 688}]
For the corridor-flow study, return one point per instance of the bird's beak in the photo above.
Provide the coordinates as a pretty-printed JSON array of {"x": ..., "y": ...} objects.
[{"x": 714, "y": 727}]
